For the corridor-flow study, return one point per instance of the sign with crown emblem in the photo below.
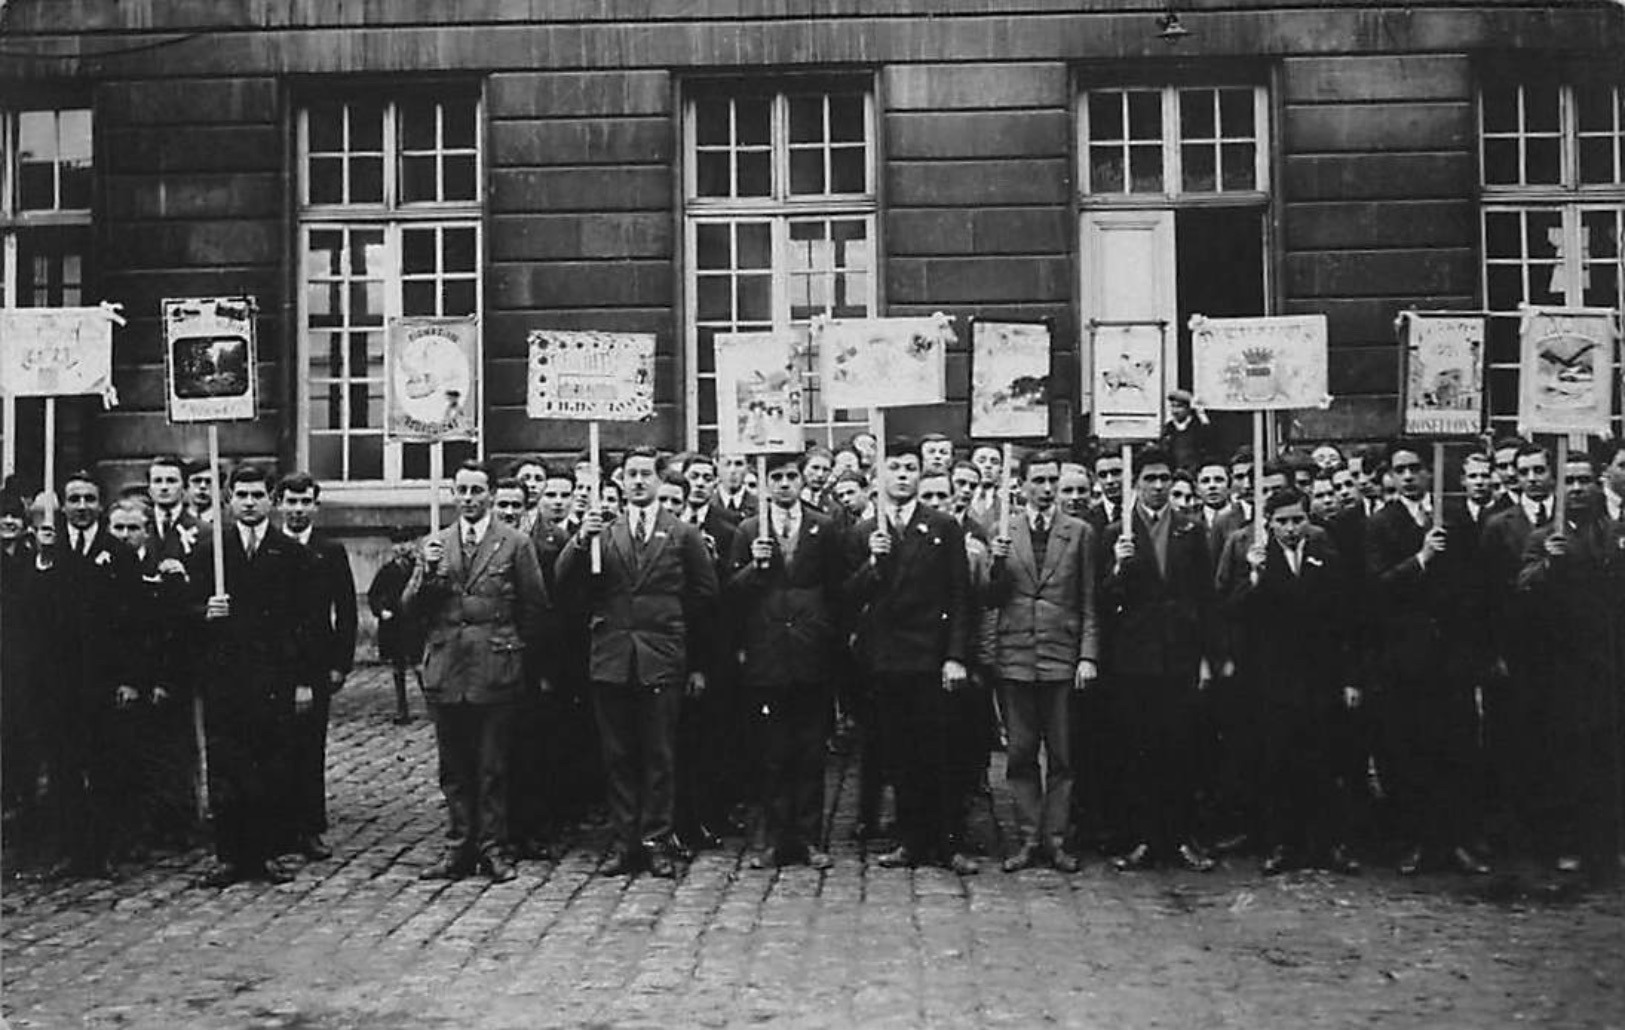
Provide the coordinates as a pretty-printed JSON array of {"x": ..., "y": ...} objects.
[
  {"x": 432, "y": 379},
  {"x": 1259, "y": 364}
]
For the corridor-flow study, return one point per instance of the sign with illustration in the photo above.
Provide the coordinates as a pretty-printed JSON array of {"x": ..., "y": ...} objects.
[
  {"x": 1259, "y": 364},
  {"x": 1444, "y": 373},
  {"x": 759, "y": 392},
  {"x": 432, "y": 379},
  {"x": 883, "y": 362},
  {"x": 1127, "y": 380},
  {"x": 1009, "y": 380},
  {"x": 210, "y": 359},
  {"x": 1566, "y": 372},
  {"x": 586, "y": 375},
  {"x": 58, "y": 352}
]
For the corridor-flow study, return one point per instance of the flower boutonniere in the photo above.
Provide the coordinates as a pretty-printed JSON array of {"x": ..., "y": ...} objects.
[
  {"x": 660, "y": 534},
  {"x": 1310, "y": 559},
  {"x": 812, "y": 530},
  {"x": 922, "y": 529},
  {"x": 104, "y": 558}
]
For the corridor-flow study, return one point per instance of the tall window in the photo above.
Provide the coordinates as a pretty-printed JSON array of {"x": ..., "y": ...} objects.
[
  {"x": 1552, "y": 168},
  {"x": 1175, "y": 189},
  {"x": 45, "y": 218},
  {"x": 779, "y": 225},
  {"x": 390, "y": 224}
]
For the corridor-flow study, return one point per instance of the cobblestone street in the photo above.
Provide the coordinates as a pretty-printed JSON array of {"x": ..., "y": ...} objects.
[{"x": 358, "y": 941}]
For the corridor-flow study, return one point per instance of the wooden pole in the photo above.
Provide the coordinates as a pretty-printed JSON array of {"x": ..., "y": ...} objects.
[
  {"x": 50, "y": 457},
  {"x": 217, "y": 537},
  {"x": 1560, "y": 508},
  {"x": 877, "y": 427},
  {"x": 8, "y": 430},
  {"x": 1438, "y": 484},
  {"x": 437, "y": 472},
  {"x": 1258, "y": 476},
  {"x": 1005, "y": 487},
  {"x": 1128, "y": 498},
  {"x": 597, "y": 492},
  {"x": 761, "y": 497}
]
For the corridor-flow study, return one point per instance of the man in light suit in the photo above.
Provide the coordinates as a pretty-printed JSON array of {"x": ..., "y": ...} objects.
[
  {"x": 1046, "y": 645},
  {"x": 651, "y": 607},
  {"x": 480, "y": 593}
]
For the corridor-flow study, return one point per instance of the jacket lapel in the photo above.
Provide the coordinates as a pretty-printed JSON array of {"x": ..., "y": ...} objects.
[
  {"x": 1060, "y": 538},
  {"x": 484, "y": 552},
  {"x": 659, "y": 535},
  {"x": 1021, "y": 545},
  {"x": 619, "y": 540}
]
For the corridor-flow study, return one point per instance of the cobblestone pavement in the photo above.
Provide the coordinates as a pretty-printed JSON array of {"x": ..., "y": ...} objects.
[{"x": 359, "y": 942}]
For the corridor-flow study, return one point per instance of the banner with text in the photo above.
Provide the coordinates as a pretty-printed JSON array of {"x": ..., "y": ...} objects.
[
  {"x": 759, "y": 392},
  {"x": 432, "y": 379},
  {"x": 1259, "y": 364},
  {"x": 1565, "y": 376},
  {"x": 591, "y": 376},
  {"x": 1009, "y": 383},
  {"x": 210, "y": 359},
  {"x": 57, "y": 352},
  {"x": 1444, "y": 373},
  {"x": 882, "y": 362}
]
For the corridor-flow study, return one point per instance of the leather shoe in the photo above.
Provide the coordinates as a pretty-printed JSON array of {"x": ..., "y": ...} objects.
[
  {"x": 963, "y": 865},
  {"x": 313, "y": 848},
  {"x": 500, "y": 868},
  {"x": 618, "y": 863},
  {"x": 270, "y": 872},
  {"x": 1411, "y": 862},
  {"x": 819, "y": 860},
  {"x": 661, "y": 865},
  {"x": 1338, "y": 860},
  {"x": 1468, "y": 863},
  {"x": 1274, "y": 863},
  {"x": 702, "y": 839},
  {"x": 451, "y": 868},
  {"x": 1136, "y": 858},
  {"x": 1064, "y": 861},
  {"x": 1025, "y": 858},
  {"x": 1194, "y": 860},
  {"x": 222, "y": 876},
  {"x": 897, "y": 858},
  {"x": 762, "y": 859}
]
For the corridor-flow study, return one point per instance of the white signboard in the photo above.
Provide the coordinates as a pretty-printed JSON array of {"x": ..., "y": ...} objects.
[
  {"x": 1127, "y": 381},
  {"x": 1260, "y": 364},
  {"x": 586, "y": 375},
  {"x": 1444, "y": 373},
  {"x": 432, "y": 379},
  {"x": 57, "y": 352},
  {"x": 883, "y": 362},
  {"x": 1566, "y": 373},
  {"x": 1009, "y": 383},
  {"x": 210, "y": 359},
  {"x": 759, "y": 395}
]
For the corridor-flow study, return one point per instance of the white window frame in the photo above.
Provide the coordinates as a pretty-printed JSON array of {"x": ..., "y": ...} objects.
[
  {"x": 1173, "y": 169},
  {"x": 392, "y": 217},
  {"x": 780, "y": 209},
  {"x": 1569, "y": 200}
]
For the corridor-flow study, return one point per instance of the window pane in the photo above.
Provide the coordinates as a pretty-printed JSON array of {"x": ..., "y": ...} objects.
[
  {"x": 1540, "y": 108},
  {"x": 418, "y": 297},
  {"x": 36, "y": 186},
  {"x": 417, "y": 179},
  {"x": 326, "y": 456},
  {"x": 417, "y": 251},
  {"x": 807, "y": 171},
  {"x": 711, "y": 245},
  {"x": 362, "y": 413},
  {"x": 852, "y": 295},
  {"x": 1505, "y": 287},
  {"x": 752, "y": 118},
  {"x": 711, "y": 122},
  {"x": 327, "y": 406},
  {"x": 1597, "y": 160},
  {"x": 1542, "y": 161},
  {"x": 714, "y": 297},
  {"x": 417, "y": 125},
  {"x": 1594, "y": 106},
  {"x": 324, "y": 305},
  {"x": 1145, "y": 166},
  {"x": 457, "y": 124},
  {"x": 74, "y": 143},
  {"x": 326, "y": 180},
  {"x": 711, "y": 171},
  {"x": 367, "y": 456},
  {"x": 36, "y": 136},
  {"x": 1602, "y": 288},
  {"x": 755, "y": 174},
  {"x": 367, "y": 303},
  {"x": 458, "y": 181},
  {"x": 1196, "y": 114},
  {"x": 366, "y": 251},
  {"x": 324, "y": 355},
  {"x": 76, "y": 181},
  {"x": 367, "y": 126},
  {"x": 1600, "y": 231},
  {"x": 415, "y": 461},
  {"x": 457, "y": 297},
  {"x": 846, "y": 122},
  {"x": 1500, "y": 162},
  {"x": 755, "y": 241},
  {"x": 1238, "y": 166},
  {"x": 366, "y": 355},
  {"x": 1106, "y": 169},
  {"x": 1547, "y": 284},
  {"x": 849, "y": 170},
  {"x": 708, "y": 400},
  {"x": 1105, "y": 116},
  {"x": 1236, "y": 112},
  {"x": 1199, "y": 168},
  {"x": 1501, "y": 109},
  {"x": 1503, "y": 234},
  {"x": 1544, "y": 233},
  {"x": 366, "y": 180},
  {"x": 756, "y": 298},
  {"x": 1145, "y": 116},
  {"x": 461, "y": 252},
  {"x": 807, "y": 119}
]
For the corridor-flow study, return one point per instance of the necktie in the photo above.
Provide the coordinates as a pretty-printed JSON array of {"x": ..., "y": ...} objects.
[
  {"x": 470, "y": 541},
  {"x": 1292, "y": 560},
  {"x": 1040, "y": 540},
  {"x": 1545, "y": 514},
  {"x": 251, "y": 543},
  {"x": 81, "y": 542},
  {"x": 642, "y": 527}
]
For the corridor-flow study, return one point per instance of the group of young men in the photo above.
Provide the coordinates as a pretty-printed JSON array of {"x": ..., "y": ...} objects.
[{"x": 1170, "y": 681}]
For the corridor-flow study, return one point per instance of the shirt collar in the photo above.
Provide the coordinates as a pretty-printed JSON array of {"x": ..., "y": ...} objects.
[
  {"x": 89, "y": 535},
  {"x": 304, "y": 538},
  {"x": 248, "y": 533},
  {"x": 479, "y": 528},
  {"x": 1616, "y": 503},
  {"x": 903, "y": 514},
  {"x": 1532, "y": 507},
  {"x": 1418, "y": 508}
]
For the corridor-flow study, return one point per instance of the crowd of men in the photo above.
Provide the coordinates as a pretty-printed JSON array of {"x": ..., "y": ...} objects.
[{"x": 1347, "y": 673}]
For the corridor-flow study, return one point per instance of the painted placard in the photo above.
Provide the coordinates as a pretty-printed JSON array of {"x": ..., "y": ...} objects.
[
  {"x": 210, "y": 359},
  {"x": 883, "y": 362},
  {"x": 56, "y": 352},
  {"x": 432, "y": 379},
  {"x": 1259, "y": 364},
  {"x": 1127, "y": 381},
  {"x": 1444, "y": 373},
  {"x": 591, "y": 376},
  {"x": 1009, "y": 384},
  {"x": 759, "y": 392},
  {"x": 1565, "y": 378}
]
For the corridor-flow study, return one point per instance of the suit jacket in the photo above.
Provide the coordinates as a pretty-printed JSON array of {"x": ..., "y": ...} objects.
[
  {"x": 329, "y": 599},
  {"x": 1422, "y": 617},
  {"x": 652, "y": 609},
  {"x": 157, "y": 624},
  {"x": 481, "y": 613},
  {"x": 1513, "y": 615},
  {"x": 788, "y": 614},
  {"x": 400, "y": 637},
  {"x": 88, "y": 605},
  {"x": 917, "y": 599},
  {"x": 1229, "y": 519},
  {"x": 1046, "y": 616},
  {"x": 736, "y": 513},
  {"x": 1160, "y": 623},
  {"x": 1298, "y": 654},
  {"x": 255, "y": 656},
  {"x": 1582, "y": 598},
  {"x": 181, "y": 536}
]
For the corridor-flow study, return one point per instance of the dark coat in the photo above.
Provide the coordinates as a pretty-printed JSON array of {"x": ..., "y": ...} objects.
[
  {"x": 788, "y": 613},
  {"x": 917, "y": 600},
  {"x": 1299, "y": 652},
  {"x": 253, "y": 658},
  {"x": 1046, "y": 619},
  {"x": 1582, "y": 598},
  {"x": 1156, "y": 623},
  {"x": 651, "y": 615},
  {"x": 1421, "y": 617},
  {"x": 1514, "y": 616},
  {"x": 400, "y": 635},
  {"x": 329, "y": 599},
  {"x": 87, "y": 604}
]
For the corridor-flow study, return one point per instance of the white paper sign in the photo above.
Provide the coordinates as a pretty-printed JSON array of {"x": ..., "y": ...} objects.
[
  {"x": 1444, "y": 374},
  {"x": 1566, "y": 373},
  {"x": 1009, "y": 388},
  {"x": 1127, "y": 381},
  {"x": 210, "y": 359},
  {"x": 57, "y": 352},
  {"x": 759, "y": 392},
  {"x": 883, "y": 362},
  {"x": 432, "y": 379},
  {"x": 1260, "y": 364},
  {"x": 590, "y": 376}
]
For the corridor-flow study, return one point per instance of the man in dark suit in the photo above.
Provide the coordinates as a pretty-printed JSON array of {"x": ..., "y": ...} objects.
[
  {"x": 331, "y": 608},
  {"x": 480, "y": 592},
  {"x": 88, "y": 586},
  {"x": 1159, "y": 593},
  {"x": 785, "y": 593},
  {"x": 732, "y": 493},
  {"x": 1292, "y": 599},
  {"x": 254, "y": 671},
  {"x": 1046, "y": 646},
  {"x": 1109, "y": 477},
  {"x": 911, "y": 575},
  {"x": 652, "y": 609},
  {"x": 1219, "y": 512},
  {"x": 175, "y": 526},
  {"x": 1427, "y": 663}
]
